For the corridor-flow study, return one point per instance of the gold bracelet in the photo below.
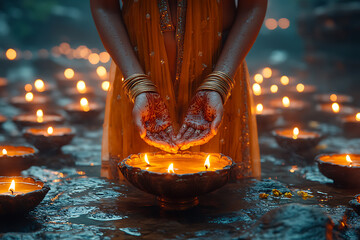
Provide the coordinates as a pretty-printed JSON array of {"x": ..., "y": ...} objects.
[
  {"x": 137, "y": 84},
  {"x": 220, "y": 82}
]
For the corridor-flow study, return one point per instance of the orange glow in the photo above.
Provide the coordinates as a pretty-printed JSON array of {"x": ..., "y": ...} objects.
[
  {"x": 105, "y": 86},
  {"x": 94, "y": 58},
  {"x": 81, "y": 86},
  {"x": 284, "y": 23},
  {"x": 50, "y": 130},
  {"x": 348, "y": 160},
  {"x": 12, "y": 187},
  {"x": 4, "y": 152},
  {"x": 69, "y": 73},
  {"x": 146, "y": 159},
  {"x": 259, "y": 108},
  {"x": 333, "y": 97},
  {"x": 101, "y": 72},
  {"x": 258, "y": 78},
  {"x": 104, "y": 57},
  {"x": 284, "y": 80},
  {"x": 28, "y": 87},
  {"x": 171, "y": 168},
  {"x": 39, "y": 116},
  {"x": 357, "y": 116},
  {"x": 335, "y": 107},
  {"x": 11, "y": 54},
  {"x": 39, "y": 85},
  {"x": 267, "y": 72},
  {"x": 274, "y": 88},
  {"x": 286, "y": 102},
  {"x": 256, "y": 89},
  {"x": 207, "y": 162},
  {"x": 271, "y": 23},
  {"x": 300, "y": 87},
  {"x": 296, "y": 132},
  {"x": 29, "y": 96},
  {"x": 84, "y": 103}
]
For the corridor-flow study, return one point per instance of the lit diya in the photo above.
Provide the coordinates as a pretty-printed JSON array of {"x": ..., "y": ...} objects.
[
  {"x": 266, "y": 117},
  {"x": 80, "y": 91},
  {"x": 37, "y": 119},
  {"x": 42, "y": 87},
  {"x": 355, "y": 203},
  {"x": 331, "y": 98},
  {"x": 30, "y": 101},
  {"x": 296, "y": 140},
  {"x": 344, "y": 169},
  {"x": 68, "y": 78},
  {"x": 14, "y": 159},
  {"x": 48, "y": 139},
  {"x": 83, "y": 111},
  {"x": 291, "y": 108},
  {"x": 351, "y": 125},
  {"x": 19, "y": 195},
  {"x": 332, "y": 111},
  {"x": 302, "y": 90},
  {"x": 177, "y": 179}
]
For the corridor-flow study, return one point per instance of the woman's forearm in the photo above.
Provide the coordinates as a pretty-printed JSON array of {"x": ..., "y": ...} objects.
[
  {"x": 243, "y": 33},
  {"x": 113, "y": 34}
]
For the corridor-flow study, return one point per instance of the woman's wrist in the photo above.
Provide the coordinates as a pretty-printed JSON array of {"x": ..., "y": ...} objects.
[{"x": 136, "y": 84}]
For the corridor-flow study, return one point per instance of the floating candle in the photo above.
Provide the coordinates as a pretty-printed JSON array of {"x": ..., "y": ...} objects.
[
  {"x": 29, "y": 101},
  {"x": 37, "y": 119}
]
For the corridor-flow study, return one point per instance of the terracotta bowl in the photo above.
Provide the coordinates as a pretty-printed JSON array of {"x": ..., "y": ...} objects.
[
  {"x": 29, "y": 120},
  {"x": 77, "y": 115},
  {"x": 40, "y": 101},
  {"x": 13, "y": 165}
]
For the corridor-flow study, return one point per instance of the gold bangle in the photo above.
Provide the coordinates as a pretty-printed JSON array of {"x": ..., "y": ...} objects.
[{"x": 137, "y": 84}]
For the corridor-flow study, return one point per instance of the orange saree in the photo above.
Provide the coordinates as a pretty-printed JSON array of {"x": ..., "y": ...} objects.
[{"x": 199, "y": 41}]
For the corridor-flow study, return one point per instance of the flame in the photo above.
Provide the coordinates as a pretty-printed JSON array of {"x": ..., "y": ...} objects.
[
  {"x": 29, "y": 97},
  {"x": 357, "y": 116},
  {"x": 101, "y": 72},
  {"x": 39, "y": 85},
  {"x": 296, "y": 132},
  {"x": 300, "y": 87},
  {"x": 39, "y": 116},
  {"x": 333, "y": 97},
  {"x": 171, "y": 168},
  {"x": 335, "y": 107},
  {"x": 81, "y": 86},
  {"x": 50, "y": 130},
  {"x": 69, "y": 73},
  {"x": 146, "y": 159},
  {"x": 28, "y": 87},
  {"x": 104, "y": 57},
  {"x": 256, "y": 89},
  {"x": 207, "y": 162},
  {"x": 274, "y": 88},
  {"x": 4, "y": 152},
  {"x": 258, "y": 78},
  {"x": 259, "y": 108},
  {"x": 94, "y": 58},
  {"x": 11, "y": 54},
  {"x": 286, "y": 102},
  {"x": 348, "y": 160},
  {"x": 267, "y": 72},
  {"x": 105, "y": 86},
  {"x": 284, "y": 80},
  {"x": 84, "y": 103},
  {"x": 12, "y": 186}
]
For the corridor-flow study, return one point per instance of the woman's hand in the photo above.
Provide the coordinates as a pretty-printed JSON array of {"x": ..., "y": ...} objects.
[
  {"x": 202, "y": 120},
  {"x": 152, "y": 118}
]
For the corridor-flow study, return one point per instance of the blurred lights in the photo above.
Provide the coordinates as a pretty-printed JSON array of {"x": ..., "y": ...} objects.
[
  {"x": 284, "y": 23},
  {"x": 104, "y": 57},
  {"x": 300, "y": 87},
  {"x": 258, "y": 78},
  {"x": 94, "y": 58},
  {"x": 267, "y": 72},
  {"x": 256, "y": 89},
  {"x": 274, "y": 88},
  {"x": 11, "y": 54},
  {"x": 105, "y": 86},
  {"x": 271, "y": 23},
  {"x": 284, "y": 80},
  {"x": 69, "y": 73}
]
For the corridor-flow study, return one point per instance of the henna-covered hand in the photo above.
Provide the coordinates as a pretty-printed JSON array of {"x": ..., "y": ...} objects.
[
  {"x": 202, "y": 120},
  {"x": 152, "y": 118}
]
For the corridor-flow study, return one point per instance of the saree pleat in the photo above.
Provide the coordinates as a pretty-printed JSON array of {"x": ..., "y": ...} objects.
[{"x": 201, "y": 46}]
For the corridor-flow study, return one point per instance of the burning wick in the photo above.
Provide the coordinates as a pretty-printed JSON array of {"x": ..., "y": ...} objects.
[
  {"x": 286, "y": 101},
  {"x": 348, "y": 159},
  {"x": 29, "y": 97},
  {"x": 39, "y": 85},
  {"x": 335, "y": 107},
  {"x": 256, "y": 89},
  {"x": 296, "y": 132},
  {"x": 84, "y": 103},
  {"x": 50, "y": 130},
  {"x": 12, "y": 187},
  {"x": 81, "y": 86},
  {"x": 4, "y": 152},
  {"x": 39, "y": 116},
  {"x": 207, "y": 162},
  {"x": 171, "y": 168},
  {"x": 259, "y": 108},
  {"x": 357, "y": 117},
  {"x": 147, "y": 160}
]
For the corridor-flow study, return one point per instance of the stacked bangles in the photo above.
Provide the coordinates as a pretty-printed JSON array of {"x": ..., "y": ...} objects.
[
  {"x": 220, "y": 82},
  {"x": 137, "y": 84}
]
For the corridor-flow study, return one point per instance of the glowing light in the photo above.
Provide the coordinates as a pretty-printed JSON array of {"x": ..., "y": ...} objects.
[
  {"x": 105, "y": 86},
  {"x": 4, "y": 152},
  {"x": 84, "y": 103},
  {"x": 300, "y": 87},
  {"x": 256, "y": 89},
  {"x": 348, "y": 160},
  {"x": 104, "y": 57},
  {"x": 284, "y": 23},
  {"x": 296, "y": 132},
  {"x": 286, "y": 102},
  {"x": 12, "y": 187},
  {"x": 259, "y": 108},
  {"x": 50, "y": 130},
  {"x": 94, "y": 58},
  {"x": 28, "y": 87},
  {"x": 267, "y": 72},
  {"x": 101, "y": 72},
  {"x": 357, "y": 116},
  {"x": 146, "y": 159},
  {"x": 284, "y": 80},
  {"x": 81, "y": 86},
  {"x": 39, "y": 85},
  {"x": 29, "y": 96},
  {"x": 11, "y": 54},
  {"x": 333, "y": 97},
  {"x": 274, "y": 88},
  {"x": 69, "y": 73},
  {"x": 171, "y": 168},
  {"x": 258, "y": 78},
  {"x": 39, "y": 116},
  {"x": 207, "y": 162},
  {"x": 335, "y": 107},
  {"x": 271, "y": 23}
]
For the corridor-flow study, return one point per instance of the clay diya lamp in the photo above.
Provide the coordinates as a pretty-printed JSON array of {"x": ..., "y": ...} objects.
[
  {"x": 344, "y": 169},
  {"x": 38, "y": 119},
  {"x": 67, "y": 79},
  {"x": 291, "y": 109},
  {"x": 266, "y": 117},
  {"x": 351, "y": 125},
  {"x": 48, "y": 139},
  {"x": 30, "y": 101},
  {"x": 332, "y": 112},
  {"x": 14, "y": 159},
  {"x": 43, "y": 87},
  {"x": 177, "y": 179},
  {"x": 83, "y": 111},
  {"x": 80, "y": 91},
  {"x": 19, "y": 195},
  {"x": 3, "y": 119},
  {"x": 302, "y": 91},
  {"x": 294, "y": 140},
  {"x": 355, "y": 204},
  {"x": 331, "y": 98},
  {"x": 3, "y": 84}
]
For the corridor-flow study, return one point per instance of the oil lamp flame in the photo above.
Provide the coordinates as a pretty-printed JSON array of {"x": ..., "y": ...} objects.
[
  {"x": 146, "y": 159},
  {"x": 4, "y": 152},
  {"x": 171, "y": 168},
  {"x": 69, "y": 73},
  {"x": 274, "y": 88},
  {"x": 39, "y": 116},
  {"x": 101, "y": 72},
  {"x": 50, "y": 130},
  {"x": 207, "y": 162},
  {"x": 286, "y": 101},
  {"x": 84, "y": 103},
  {"x": 39, "y": 85},
  {"x": 105, "y": 86},
  {"x": 256, "y": 89},
  {"x": 29, "y": 97},
  {"x": 259, "y": 108},
  {"x": 258, "y": 78},
  {"x": 335, "y": 107},
  {"x": 296, "y": 132},
  {"x": 333, "y": 97},
  {"x": 81, "y": 86},
  {"x": 357, "y": 117},
  {"x": 284, "y": 80},
  {"x": 267, "y": 72},
  {"x": 348, "y": 160},
  {"x": 12, "y": 187},
  {"x": 300, "y": 87}
]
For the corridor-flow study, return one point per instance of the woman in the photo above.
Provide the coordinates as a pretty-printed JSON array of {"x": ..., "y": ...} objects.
[{"x": 182, "y": 64}]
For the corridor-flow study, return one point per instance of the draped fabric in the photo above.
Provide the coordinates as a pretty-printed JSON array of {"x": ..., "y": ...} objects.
[{"x": 200, "y": 43}]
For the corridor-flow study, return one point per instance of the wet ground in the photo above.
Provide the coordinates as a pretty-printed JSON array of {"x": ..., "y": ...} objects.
[{"x": 82, "y": 205}]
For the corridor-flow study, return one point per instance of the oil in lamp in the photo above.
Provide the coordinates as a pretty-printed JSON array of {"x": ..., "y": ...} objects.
[
  {"x": 19, "y": 195},
  {"x": 14, "y": 159},
  {"x": 177, "y": 179},
  {"x": 29, "y": 101},
  {"x": 351, "y": 125},
  {"x": 295, "y": 140},
  {"x": 331, "y": 98},
  {"x": 83, "y": 111},
  {"x": 80, "y": 91},
  {"x": 266, "y": 117},
  {"x": 344, "y": 169},
  {"x": 38, "y": 119},
  {"x": 49, "y": 139}
]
